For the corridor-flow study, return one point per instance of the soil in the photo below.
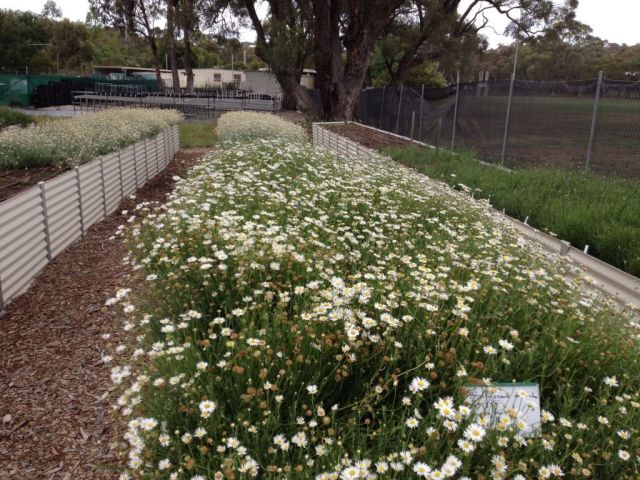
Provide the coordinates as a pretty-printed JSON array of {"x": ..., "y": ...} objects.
[
  {"x": 367, "y": 137},
  {"x": 15, "y": 181},
  {"x": 55, "y": 420}
]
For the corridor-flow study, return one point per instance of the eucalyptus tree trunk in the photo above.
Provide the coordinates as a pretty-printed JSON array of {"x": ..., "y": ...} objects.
[
  {"x": 171, "y": 42},
  {"x": 188, "y": 21}
]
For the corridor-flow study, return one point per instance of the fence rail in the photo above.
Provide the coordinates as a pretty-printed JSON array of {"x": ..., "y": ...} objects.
[
  {"x": 39, "y": 223},
  {"x": 210, "y": 106}
]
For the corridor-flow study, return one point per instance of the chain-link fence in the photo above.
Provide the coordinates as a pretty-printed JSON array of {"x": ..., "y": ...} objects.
[{"x": 590, "y": 124}]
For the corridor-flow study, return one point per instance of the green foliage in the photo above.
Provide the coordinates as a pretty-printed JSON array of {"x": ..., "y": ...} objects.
[
  {"x": 9, "y": 116},
  {"x": 427, "y": 75},
  {"x": 197, "y": 134},
  {"x": 205, "y": 57},
  {"x": 109, "y": 48},
  {"x": 287, "y": 47},
  {"x": 209, "y": 51},
  {"x": 19, "y": 31},
  {"x": 71, "y": 49},
  {"x": 582, "y": 208},
  {"x": 51, "y": 10},
  {"x": 74, "y": 46},
  {"x": 550, "y": 58},
  {"x": 43, "y": 44}
]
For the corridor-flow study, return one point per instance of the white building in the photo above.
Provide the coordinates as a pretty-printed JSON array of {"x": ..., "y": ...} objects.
[
  {"x": 210, "y": 77},
  {"x": 202, "y": 77},
  {"x": 258, "y": 81}
]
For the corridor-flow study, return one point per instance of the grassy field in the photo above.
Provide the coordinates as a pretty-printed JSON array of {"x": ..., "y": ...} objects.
[
  {"x": 8, "y": 116},
  {"x": 544, "y": 131},
  {"x": 582, "y": 105},
  {"x": 584, "y": 209},
  {"x": 197, "y": 134},
  {"x": 301, "y": 315}
]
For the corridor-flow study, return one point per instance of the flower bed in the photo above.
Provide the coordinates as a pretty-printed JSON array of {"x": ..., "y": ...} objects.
[
  {"x": 312, "y": 316},
  {"x": 245, "y": 126},
  {"x": 73, "y": 141}
]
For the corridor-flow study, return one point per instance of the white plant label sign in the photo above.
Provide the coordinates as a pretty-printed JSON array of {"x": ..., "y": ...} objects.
[{"x": 499, "y": 399}]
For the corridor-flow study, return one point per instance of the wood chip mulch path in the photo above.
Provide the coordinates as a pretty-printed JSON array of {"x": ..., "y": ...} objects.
[{"x": 55, "y": 420}]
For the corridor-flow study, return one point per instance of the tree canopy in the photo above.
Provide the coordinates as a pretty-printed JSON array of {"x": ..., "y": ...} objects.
[{"x": 351, "y": 44}]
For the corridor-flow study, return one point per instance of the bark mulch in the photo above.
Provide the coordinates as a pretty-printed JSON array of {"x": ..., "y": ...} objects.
[
  {"x": 366, "y": 136},
  {"x": 55, "y": 420}
]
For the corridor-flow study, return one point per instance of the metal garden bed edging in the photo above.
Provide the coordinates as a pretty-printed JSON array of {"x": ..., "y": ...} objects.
[
  {"x": 606, "y": 279},
  {"x": 38, "y": 224}
]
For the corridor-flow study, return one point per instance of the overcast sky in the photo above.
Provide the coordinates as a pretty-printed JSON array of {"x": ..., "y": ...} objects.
[{"x": 613, "y": 20}]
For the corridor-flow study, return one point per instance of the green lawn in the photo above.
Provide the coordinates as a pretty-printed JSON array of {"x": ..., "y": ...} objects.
[
  {"x": 583, "y": 208},
  {"x": 197, "y": 134},
  {"x": 557, "y": 103}
]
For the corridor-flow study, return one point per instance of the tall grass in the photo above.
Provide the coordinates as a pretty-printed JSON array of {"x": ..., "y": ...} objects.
[
  {"x": 197, "y": 134},
  {"x": 9, "y": 116},
  {"x": 582, "y": 208},
  {"x": 303, "y": 315}
]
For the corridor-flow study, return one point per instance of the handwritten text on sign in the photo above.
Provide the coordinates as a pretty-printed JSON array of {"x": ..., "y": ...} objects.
[{"x": 517, "y": 400}]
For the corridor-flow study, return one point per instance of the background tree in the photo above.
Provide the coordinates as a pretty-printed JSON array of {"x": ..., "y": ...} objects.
[
  {"x": 548, "y": 58},
  {"x": 51, "y": 11},
  {"x": 132, "y": 18},
  {"x": 170, "y": 35},
  {"x": 436, "y": 30},
  {"x": 110, "y": 48},
  {"x": 345, "y": 34},
  {"x": 70, "y": 45},
  {"x": 189, "y": 23},
  {"x": 209, "y": 15},
  {"x": 284, "y": 42},
  {"x": 19, "y": 31}
]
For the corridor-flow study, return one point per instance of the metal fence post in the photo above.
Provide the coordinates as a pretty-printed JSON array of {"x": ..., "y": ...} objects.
[
  {"x": 420, "y": 114},
  {"x": 593, "y": 121},
  {"x": 384, "y": 89},
  {"x": 158, "y": 168},
  {"x": 508, "y": 117},
  {"x": 104, "y": 190},
  {"x": 2, "y": 310},
  {"x": 47, "y": 234},
  {"x": 120, "y": 175},
  {"x": 413, "y": 123},
  {"x": 135, "y": 166},
  {"x": 166, "y": 147},
  {"x": 507, "y": 121},
  {"x": 82, "y": 227},
  {"x": 146, "y": 162},
  {"x": 399, "y": 108},
  {"x": 455, "y": 111}
]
